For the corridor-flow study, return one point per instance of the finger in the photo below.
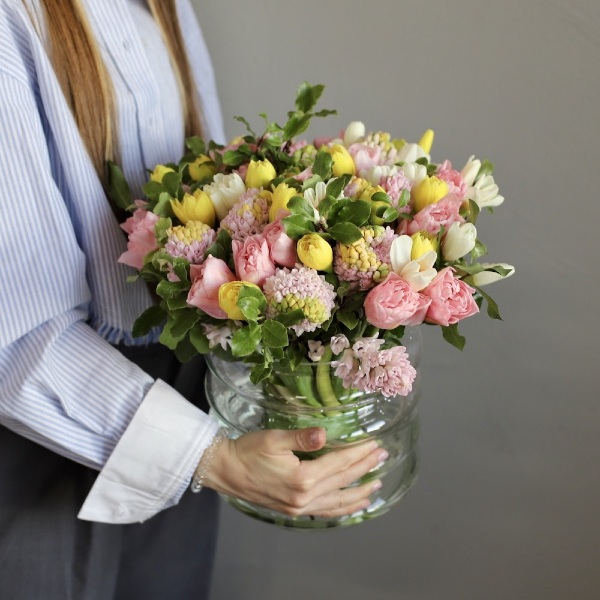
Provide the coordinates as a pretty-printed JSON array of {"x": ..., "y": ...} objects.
[
  {"x": 340, "y": 460},
  {"x": 280, "y": 441},
  {"x": 342, "y": 502}
]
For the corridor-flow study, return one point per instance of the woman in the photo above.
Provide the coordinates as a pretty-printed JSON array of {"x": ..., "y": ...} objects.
[{"x": 83, "y": 81}]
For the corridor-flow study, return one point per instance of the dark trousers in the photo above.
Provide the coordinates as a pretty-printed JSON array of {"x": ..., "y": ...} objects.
[{"x": 46, "y": 553}]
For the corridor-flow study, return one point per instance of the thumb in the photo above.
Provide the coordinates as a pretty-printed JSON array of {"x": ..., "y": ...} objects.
[{"x": 306, "y": 440}]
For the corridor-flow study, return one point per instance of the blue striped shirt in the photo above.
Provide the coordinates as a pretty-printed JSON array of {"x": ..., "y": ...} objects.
[{"x": 63, "y": 296}]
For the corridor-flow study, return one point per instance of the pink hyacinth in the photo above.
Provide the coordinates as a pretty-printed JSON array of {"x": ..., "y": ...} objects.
[
  {"x": 367, "y": 368},
  {"x": 394, "y": 185},
  {"x": 365, "y": 262},
  {"x": 190, "y": 241},
  {"x": 248, "y": 216},
  {"x": 300, "y": 288}
]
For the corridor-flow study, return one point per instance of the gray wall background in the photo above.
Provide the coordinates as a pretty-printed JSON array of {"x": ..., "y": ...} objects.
[{"x": 506, "y": 504}]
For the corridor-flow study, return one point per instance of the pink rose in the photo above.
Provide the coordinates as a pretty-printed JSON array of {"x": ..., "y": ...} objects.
[
  {"x": 393, "y": 303},
  {"x": 455, "y": 181},
  {"x": 365, "y": 157},
  {"x": 141, "y": 236},
  {"x": 451, "y": 299},
  {"x": 281, "y": 245},
  {"x": 252, "y": 259},
  {"x": 434, "y": 216},
  {"x": 207, "y": 278}
]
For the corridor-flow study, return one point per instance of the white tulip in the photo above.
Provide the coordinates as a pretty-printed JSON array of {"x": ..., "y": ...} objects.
[
  {"x": 459, "y": 240},
  {"x": 411, "y": 152},
  {"x": 487, "y": 277},
  {"x": 417, "y": 273},
  {"x": 378, "y": 172},
  {"x": 414, "y": 172},
  {"x": 354, "y": 132},
  {"x": 225, "y": 191},
  {"x": 470, "y": 170}
]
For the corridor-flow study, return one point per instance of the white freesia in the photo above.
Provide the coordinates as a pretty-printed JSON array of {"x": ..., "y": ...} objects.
[
  {"x": 417, "y": 273},
  {"x": 316, "y": 349},
  {"x": 315, "y": 196},
  {"x": 487, "y": 277},
  {"x": 459, "y": 240},
  {"x": 354, "y": 132},
  {"x": 484, "y": 190},
  {"x": 414, "y": 172},
  {"x": 224, "y": 192},
  {"x": 411, "y": 152}
]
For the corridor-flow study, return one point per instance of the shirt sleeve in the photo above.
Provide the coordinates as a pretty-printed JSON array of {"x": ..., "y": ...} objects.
[{"x": 61, "y": 384}]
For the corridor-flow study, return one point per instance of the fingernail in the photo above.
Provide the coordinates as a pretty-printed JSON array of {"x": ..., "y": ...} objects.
[
  {"x": 383, "y": 456},
  {"x": 377, "y": 486},
  {"x": 314, "y": 437}
]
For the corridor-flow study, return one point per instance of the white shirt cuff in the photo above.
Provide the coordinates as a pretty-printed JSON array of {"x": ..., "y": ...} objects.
[{"x": 153, "y": 461}]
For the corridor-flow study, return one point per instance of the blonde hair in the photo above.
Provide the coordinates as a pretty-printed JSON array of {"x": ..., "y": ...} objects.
[{"x": 85, "y": 81}]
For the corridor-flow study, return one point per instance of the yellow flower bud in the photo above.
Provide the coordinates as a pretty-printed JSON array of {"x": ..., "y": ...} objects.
[
  {"x": 422, "y": 242},
  {"x": 370, "y": 190},
  {"x": 159, "y": 172},
  {"x": 228, "y": 297},
  {"x": 202, "y": 168},
  {"x": 343, "y": 163},
  {"x": 429, "y": 191},
  {"x": 196, "y": 207},
  {"x": 314, "y": 252},
  {"x": 260, "y": 173},
  {"x": 427, "y": 141},
  {"x": 279, "y": 200}
]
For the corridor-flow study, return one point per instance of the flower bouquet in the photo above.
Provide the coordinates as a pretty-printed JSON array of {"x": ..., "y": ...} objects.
[{"x": 306, "y": 264}]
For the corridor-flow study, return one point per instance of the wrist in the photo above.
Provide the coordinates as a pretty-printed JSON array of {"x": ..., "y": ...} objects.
[{"x": 199, "y": 479}]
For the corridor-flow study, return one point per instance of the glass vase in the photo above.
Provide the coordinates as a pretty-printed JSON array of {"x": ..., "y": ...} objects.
[{"x": 311, "y": 396}]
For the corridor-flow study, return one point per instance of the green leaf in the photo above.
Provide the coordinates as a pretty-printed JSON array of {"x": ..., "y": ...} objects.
[
  {"x": 347, "y": 318},
  {"x": 298, "y": 205},
  {"x": 274, "y": 334},
  {"x": 478, "y": 250},
  {"x": 345, "y": 233},
  {"x": 260, "y": 372},
  {"x": 248, "y": 128},
  {"x": 172, "y": 183},
  {"x": 487, "y": 168},
  {"x": 492, "y": 307},
  {"x": 169, "y": 289},
  {"x": 336, "y": 187},
  {"x": 245, "y": 341},
  {"x": 307, "y": 96},
  {"x": 357, "y": 212},
  {"x": 150, "y": 318},
  {"x": 474, "y": 211},
  {"x": 118, "y": 188},
  {"x": 322, "y": 165},
  {"x": 234, "y": 158},
  {"x": 161, "y": 227},
  {"x": 196, "y": 145},
  {"x": 325, "y": 113},
  {"x": 163, "y": 206},
  {"x": 199, "y": 340},
  {"x": 185, "y": 350},
  {"x": 404, "y": 198},
  {"x": 184, "y": 320},
  {"x": 153, "y": 190},
  {"x": 297, "y": 124},
  {"x": 296, "y": 226},
  {"x": 290, "y": 318},
  {"x": 381, "y": 197},
  {"x": 178, "y": 302},
  {"x": 167, "y": 337},
  {"x": 452, "y": 336},
  {"x": 252, "y": 302}
]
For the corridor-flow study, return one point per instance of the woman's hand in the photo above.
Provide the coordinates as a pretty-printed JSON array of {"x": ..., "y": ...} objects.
[{"x": 261, "y": 467}]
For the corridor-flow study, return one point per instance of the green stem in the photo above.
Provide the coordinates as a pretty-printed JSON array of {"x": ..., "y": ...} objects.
[{"x": 324, "y": 387}]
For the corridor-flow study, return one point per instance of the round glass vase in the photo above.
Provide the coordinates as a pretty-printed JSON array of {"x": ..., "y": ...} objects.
[{"x": 294, "y": 399}]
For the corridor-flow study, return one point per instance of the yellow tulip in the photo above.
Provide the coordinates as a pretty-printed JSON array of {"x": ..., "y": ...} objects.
[
  {"x": 343, "y": 163},
  {"x": 427, "y": 141},
  {"x": 259, "y": 173},
  {"x": 228, "y": 297},
  {"x": 159, "y": 172},
  {"x": 429, "y": 191},
  {"x": 195, "y": 207},
  {"x": 200, "y": 170},
  {"x": 422, "y": 242},
  {"x": 279, "y": 199},
  {"x": 314, "y": 252}
]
